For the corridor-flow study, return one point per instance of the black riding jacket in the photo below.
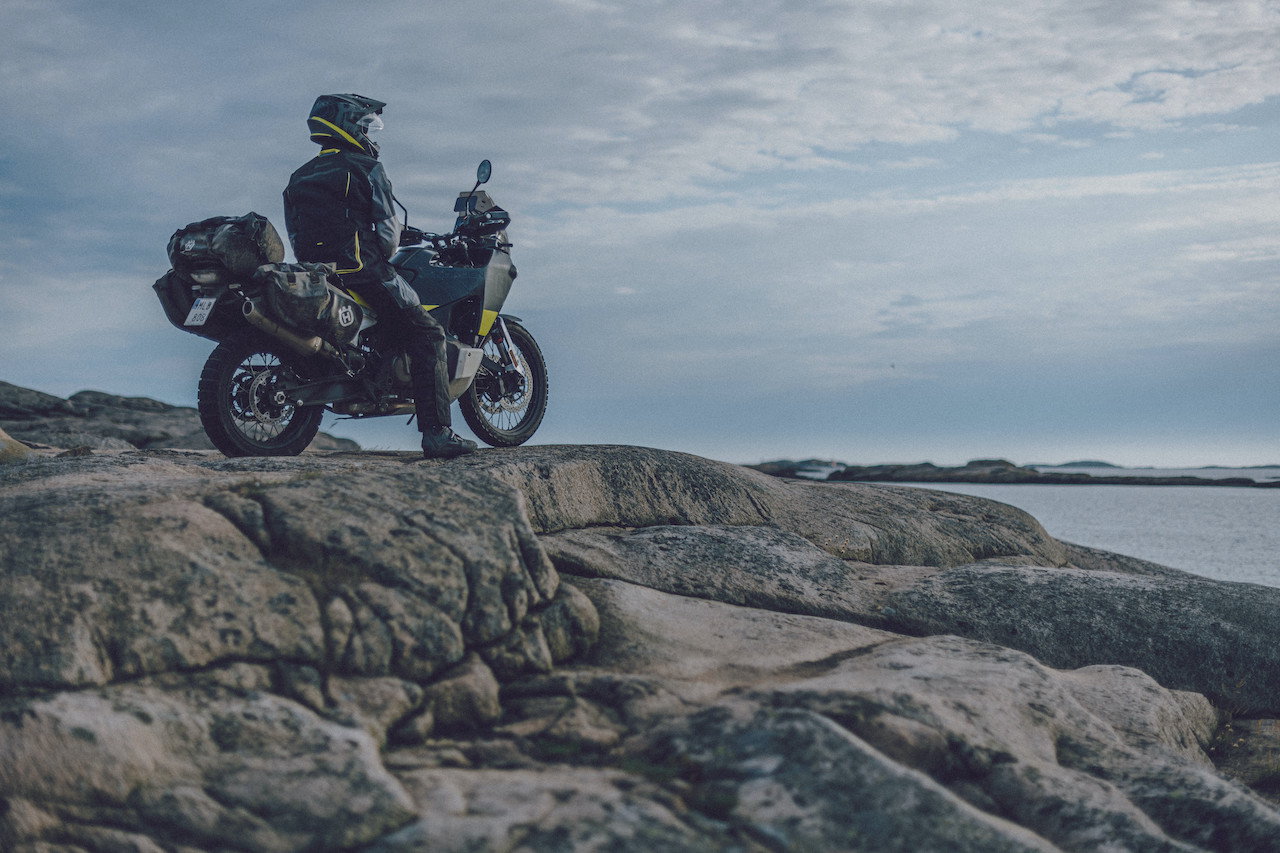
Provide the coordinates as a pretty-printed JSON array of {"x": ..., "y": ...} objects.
[{"x": 338, "y": 209}]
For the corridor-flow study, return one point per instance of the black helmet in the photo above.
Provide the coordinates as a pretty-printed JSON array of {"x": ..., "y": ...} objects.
[{"x": 340, "y": 120}]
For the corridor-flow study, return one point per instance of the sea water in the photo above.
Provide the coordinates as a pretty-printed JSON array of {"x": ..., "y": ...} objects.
[{"x": 1223, "y": 532}]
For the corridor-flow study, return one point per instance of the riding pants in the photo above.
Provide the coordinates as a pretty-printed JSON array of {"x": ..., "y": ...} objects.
[{"x": 407, "y": 325}]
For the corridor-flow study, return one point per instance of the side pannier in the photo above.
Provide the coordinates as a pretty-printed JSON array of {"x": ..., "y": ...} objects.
[
  {"x": 300, "y": 295},
  {"x": 177, "y": 292},
  {"x": 222, "y": 249}
]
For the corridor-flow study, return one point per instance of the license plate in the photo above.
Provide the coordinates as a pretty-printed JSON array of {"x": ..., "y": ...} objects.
[{"x": 200, "y": 310}]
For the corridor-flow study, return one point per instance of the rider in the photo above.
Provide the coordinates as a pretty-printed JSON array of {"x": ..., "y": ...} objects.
[{"x": 338, "y": 209}]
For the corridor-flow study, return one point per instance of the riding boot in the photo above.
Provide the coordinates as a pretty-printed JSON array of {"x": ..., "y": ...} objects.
[{"x": 444, "y": 443}]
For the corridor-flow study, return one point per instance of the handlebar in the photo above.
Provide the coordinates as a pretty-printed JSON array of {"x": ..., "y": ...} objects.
[
  {"x": 471, "y": 231},
  {"x": 411, "y": 236}
]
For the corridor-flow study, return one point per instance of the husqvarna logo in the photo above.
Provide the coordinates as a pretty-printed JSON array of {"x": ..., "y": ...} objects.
[{"x": 346, "y": 316}]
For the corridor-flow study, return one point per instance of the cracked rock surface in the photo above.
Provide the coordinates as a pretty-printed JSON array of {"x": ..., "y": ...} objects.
[{"x": 588, "y": 648}]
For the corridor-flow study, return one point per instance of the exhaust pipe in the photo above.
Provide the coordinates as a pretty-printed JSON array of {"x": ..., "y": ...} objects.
[
  {"x": 314, "y": 345},
  {"x": 375, "y": 408}
]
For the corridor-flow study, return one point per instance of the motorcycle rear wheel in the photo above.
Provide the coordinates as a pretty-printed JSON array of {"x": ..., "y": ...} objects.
[
  {"x": 242, "y": 406},
  {"x": 504, "y": 416}
]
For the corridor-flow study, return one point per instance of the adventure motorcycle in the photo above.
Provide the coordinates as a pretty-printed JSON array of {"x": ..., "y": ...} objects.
[{"x": 292, "y": 343}]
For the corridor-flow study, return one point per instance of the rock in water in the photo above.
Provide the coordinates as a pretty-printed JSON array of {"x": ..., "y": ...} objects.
[{"x": 585, "y": 648}]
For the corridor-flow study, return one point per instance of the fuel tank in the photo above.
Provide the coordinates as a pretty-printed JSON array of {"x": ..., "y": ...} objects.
[{"x": 436, "y": 285}]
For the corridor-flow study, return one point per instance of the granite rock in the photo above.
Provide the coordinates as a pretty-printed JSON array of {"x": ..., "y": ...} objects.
[{"x": 586, "y": 648}]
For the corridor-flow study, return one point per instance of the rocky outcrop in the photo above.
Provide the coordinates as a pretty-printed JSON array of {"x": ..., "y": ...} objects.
[
  {"x": 602, "y": 648},
  {"x": 1152, "y": 623},
  {"x": 98, "y": 421}
]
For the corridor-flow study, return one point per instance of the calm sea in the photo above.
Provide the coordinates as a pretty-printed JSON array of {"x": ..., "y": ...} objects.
[{"x": 1223, "y": 532}]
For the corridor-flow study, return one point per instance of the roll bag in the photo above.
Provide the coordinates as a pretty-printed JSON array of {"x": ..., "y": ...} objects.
[{"x": 225, "y": 248}]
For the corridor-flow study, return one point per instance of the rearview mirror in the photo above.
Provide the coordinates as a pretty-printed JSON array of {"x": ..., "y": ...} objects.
[{"x": 483, "y": 173}]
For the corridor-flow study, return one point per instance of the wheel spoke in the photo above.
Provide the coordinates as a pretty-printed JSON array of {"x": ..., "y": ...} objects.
[
  {"x": 259, "y": 416},
  {"x": 505, "y": 412}
]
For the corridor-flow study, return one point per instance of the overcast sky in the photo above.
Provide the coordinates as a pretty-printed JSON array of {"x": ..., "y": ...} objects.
[{"x": 873, "y": 231}]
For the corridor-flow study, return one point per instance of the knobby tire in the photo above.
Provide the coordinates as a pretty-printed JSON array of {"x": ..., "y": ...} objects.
[
  {"x": 235, "y": 409},
  {"x": 483, "y": 414}
]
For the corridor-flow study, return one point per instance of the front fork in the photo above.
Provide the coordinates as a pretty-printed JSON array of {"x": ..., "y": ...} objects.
[
  {"x": 509, "y": 374},
  {"x": 504, "y": 347}
]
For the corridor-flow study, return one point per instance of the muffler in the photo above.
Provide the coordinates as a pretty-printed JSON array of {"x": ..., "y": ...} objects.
[{"x": 314, "y": 345}]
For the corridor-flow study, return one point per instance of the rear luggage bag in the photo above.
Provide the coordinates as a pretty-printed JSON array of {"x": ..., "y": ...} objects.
[{"x": 206, "y": 257}]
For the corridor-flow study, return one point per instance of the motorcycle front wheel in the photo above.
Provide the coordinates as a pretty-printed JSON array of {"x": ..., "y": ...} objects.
[
  {"x": 505, "y": 409},
  {"x": 242, "y": 404}
]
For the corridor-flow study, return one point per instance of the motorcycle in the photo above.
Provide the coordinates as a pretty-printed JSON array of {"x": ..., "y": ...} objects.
[{"x": 265, "y": 387}]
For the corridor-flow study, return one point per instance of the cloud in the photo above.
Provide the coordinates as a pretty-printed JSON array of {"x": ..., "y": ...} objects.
[
  {"x": 652, "y": 101},
  {"x": 1244, "y": 250},
  {"x": 911, "y": 163},
  {"x": 1058, "y": 266},
  {"x": 779, "y": 196}
]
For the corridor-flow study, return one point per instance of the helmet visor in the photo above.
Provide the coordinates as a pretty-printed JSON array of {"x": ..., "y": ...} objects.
[{"x": 372, "y": 123}]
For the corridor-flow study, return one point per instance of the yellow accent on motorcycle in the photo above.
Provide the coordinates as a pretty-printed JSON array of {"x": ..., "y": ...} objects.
[{"x": 487, "y": 319}]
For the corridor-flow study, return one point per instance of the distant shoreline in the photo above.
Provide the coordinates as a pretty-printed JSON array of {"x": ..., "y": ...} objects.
[{"x": 998, "y": 471}]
